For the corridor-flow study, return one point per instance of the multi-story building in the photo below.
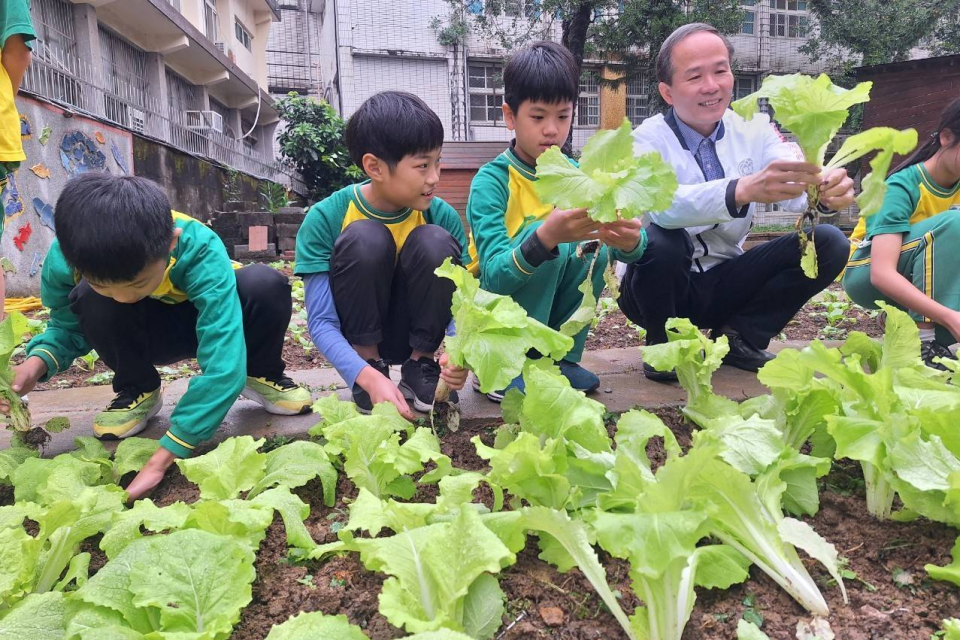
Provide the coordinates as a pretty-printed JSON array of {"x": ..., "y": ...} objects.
[
  {"x": 191, "y": 74},
  {"x": 372, "y": 45}
]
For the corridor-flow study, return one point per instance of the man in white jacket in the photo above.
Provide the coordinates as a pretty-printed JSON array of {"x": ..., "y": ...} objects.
[{"x": 694, "y": 265}]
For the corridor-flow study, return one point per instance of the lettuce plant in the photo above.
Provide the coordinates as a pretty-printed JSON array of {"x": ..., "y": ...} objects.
[
  {"x": 12, "y": 329},
  {"x": 813, "y": 110},
  {"x": 612, "y": 184},
  {"x": 494, "y": 333},
  {"x": 313, "y": 625}
]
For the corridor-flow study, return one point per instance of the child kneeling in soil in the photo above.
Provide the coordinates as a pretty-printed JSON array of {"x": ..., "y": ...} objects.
[
  {"x": 892, "y": 254},
  {"x": 147, "y": 286},
  {"x": 368, "y": 252},
  {"x": 521, "y": 246}
]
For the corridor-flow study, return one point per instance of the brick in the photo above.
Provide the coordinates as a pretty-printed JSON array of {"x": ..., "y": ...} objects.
[
  {"x": 243, "y": 252},
  {"x": 258, "y": 238},
  {"x": 223, "y": 218},
  {"x": 245, "y": 233},
  {"x": 287, "y": 230},
  {"x": 289, "y": 218},
  {"x": 289, "y": 255},
  {"x": 255, "y": 219},
  {"x": 286, "y": 244}
]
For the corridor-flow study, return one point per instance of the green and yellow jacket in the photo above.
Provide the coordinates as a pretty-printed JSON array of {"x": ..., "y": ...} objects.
[{"x": 200, "y": 273}]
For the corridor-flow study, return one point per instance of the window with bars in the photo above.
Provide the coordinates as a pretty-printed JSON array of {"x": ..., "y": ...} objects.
[
  {"x": 509, "y": 8},
  {"x": 588, "y": 104},
  {"x": 788, "y": 19},
  {"x": 250, "y": 142},
  {"x": 485, "y": 83},
  {"x": 243, "y": 34},
  {"x": 744, "y": 86},
  {"x": 55, "y": 62},
  {"x": 125, "y": 71},
  {"x": 638, "y": 96},
  {"x": 749, "y": 24},
  {"x": 53, "y": 22}
]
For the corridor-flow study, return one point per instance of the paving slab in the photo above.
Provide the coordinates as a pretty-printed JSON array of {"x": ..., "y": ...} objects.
[{"x": 622, "y": 387}]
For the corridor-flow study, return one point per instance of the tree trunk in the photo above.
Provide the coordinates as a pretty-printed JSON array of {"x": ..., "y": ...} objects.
[{"x": 574, "y": 38}]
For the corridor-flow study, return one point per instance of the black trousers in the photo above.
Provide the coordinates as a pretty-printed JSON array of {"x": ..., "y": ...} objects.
[
  {"x": 394, "y": 302},
  {"x": 133, "y": 339},
  {"x": 756, "y": 293}
]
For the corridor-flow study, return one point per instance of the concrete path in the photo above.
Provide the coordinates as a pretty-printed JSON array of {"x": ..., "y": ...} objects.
[{"x": 622, "y": 387}]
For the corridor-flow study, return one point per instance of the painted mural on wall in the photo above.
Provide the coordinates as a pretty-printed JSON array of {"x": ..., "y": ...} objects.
[{"x": 58, "y": 147}]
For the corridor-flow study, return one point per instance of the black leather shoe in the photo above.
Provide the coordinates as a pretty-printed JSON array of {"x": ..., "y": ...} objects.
[
  {"x": 658, "y": 376},
  {"x": 742, "y": 354}
]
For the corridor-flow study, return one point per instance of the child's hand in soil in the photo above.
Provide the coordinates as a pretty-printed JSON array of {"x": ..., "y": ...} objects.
[
  {"x": 25, "y": 377},
  {"x": 454, "y": 376},
  {"x": 151, "y": 475},
  {"x": 623, "y": 235},
  {"x": 381, "y": 389}
]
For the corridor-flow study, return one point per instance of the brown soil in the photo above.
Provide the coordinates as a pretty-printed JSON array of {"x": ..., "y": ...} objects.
[{"x": 534, "y": 589}]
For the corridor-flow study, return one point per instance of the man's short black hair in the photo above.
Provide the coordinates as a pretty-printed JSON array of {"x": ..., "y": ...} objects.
[
  {"x": 111, "y": 227},
  {"x": 391, "y": 125},
  {"x": 541, "y": 72}
]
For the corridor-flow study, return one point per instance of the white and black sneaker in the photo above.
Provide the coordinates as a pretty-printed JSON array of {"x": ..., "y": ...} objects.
[
  {"x": 360, "y": 397},
  {"x": 418, "y": 383},
  {"x": 931, "y": 350}
]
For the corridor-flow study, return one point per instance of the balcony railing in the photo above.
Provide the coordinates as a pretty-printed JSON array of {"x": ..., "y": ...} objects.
[{"x": 76, "y": 84}]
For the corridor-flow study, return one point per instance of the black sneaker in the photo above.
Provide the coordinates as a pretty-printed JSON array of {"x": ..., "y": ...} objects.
[
  {"x": 360, "y": 397},
  {"x": 658, "y": 376},
  {"x": 742, "y": 354},
  {"x": 932, "y": 349},
  {"x": 418, "y": 383}
]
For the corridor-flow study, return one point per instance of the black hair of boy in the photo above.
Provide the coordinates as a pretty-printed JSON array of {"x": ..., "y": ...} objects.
[
  {"x": 542, "y": 72},
  {"x": 391, "y": 125},
  {"x": 111, "y": 227}
]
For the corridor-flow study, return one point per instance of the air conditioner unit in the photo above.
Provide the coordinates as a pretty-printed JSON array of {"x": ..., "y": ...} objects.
[
  {"x": 200, "y": 121},
  {"x": 138, "y": 119}
]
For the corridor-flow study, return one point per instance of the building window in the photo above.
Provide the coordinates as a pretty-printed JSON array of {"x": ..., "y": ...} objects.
[
  {"x": 588, "y": 105},
  {"x": 250, "y": 142},
  {"x": 744, "y": 86},
  {"x": 509, "y": 8},
  {"x": 210, "y": 21},
  {"x": 749, "y": 24},
  {"x": 486, "y": 93},
  {"x": 638, "y": 95},
  {"x": 125, "y": 71},
  {"x": 243, "y": 35},
  {"x": 788, "y": 19}
]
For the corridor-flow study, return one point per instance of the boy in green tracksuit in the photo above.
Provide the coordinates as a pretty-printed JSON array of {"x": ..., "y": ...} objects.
[
  {"x": 16, "y": 32},
  {"x": 521, "y": 246},
  {"x": 147, "y": 286}
]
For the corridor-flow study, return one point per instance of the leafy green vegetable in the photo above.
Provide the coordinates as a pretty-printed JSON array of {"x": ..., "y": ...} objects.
[
  {"x": 494, "y": 333},
  {"x": 814, "y": 109},
  {"x": 950, "y": 572},
  {"x": 434, "y": 573},
  {"x": 186, "y": 582},
  {"x": 572, "y": 537},
  {"x": 237, "y": 466},
  {"x": 611, "y": 183},
  {"x": 12, "y": 329},
  {"x": 40, "y": 616},
  {"x": 749, "y": 631},
  {"x": 308, "y": 626}
]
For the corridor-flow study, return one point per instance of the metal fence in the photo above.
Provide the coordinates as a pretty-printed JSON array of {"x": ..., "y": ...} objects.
[{"x": 72, "y": 82}]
